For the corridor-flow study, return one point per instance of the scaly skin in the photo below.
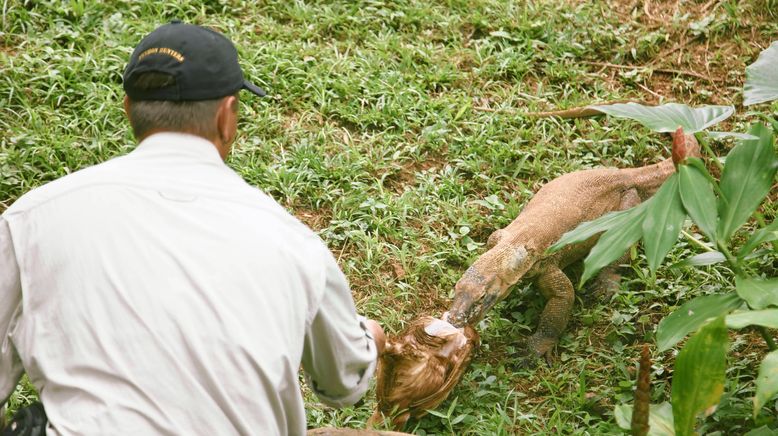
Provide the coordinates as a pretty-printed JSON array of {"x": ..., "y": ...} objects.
[{"x": 517, "y": 252}]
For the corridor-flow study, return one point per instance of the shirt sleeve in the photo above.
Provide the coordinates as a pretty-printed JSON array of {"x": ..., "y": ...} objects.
[
  {"x": 11, "y": 297},
  {"x": 339, "y": 355}
]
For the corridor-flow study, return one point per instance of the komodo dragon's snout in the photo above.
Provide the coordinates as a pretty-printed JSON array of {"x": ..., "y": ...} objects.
[{"x": 488, "y": 281}]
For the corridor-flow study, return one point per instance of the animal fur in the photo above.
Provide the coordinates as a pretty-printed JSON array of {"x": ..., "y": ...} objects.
[{"x": 420, "y": 367}]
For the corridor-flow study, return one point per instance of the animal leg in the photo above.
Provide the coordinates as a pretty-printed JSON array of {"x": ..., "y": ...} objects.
[
  {"x": 559, "y": 293},
  {"x": 607, "y": 282}
]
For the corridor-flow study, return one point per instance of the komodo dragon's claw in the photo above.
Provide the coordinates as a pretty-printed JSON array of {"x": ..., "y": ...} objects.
[
  {"x": 523, "y": 359},
  {"x": 526, "y": 357}
]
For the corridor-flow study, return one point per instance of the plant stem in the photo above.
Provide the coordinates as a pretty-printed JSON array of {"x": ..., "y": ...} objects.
[
  {"x": 703, "y": 140},
  {"x": 696, "y": 241},
  {"x": 732, "y": 260},
  {"x": 767, "y": 337}
]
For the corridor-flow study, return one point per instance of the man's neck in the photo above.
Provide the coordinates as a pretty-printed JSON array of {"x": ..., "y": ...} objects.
[{"x": 217, "y": 143}]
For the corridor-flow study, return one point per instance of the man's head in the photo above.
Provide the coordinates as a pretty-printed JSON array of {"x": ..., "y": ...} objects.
[{"x": 185, "y": 78}]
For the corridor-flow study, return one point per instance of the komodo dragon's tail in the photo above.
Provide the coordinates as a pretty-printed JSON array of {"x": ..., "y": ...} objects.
[{"x": 649, "y": 178}]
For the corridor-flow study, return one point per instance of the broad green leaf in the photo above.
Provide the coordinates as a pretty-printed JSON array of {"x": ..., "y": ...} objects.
[
  {"x": 767, "y": 318},
  {"x": 660, "y": 418},
  {"x": 613, "y": 243},
  {"x": 588, "y": 229},
  {"x": 737, "y": 135},
  {"x": 746, "y": 180},
  {"x": 698, "y": 379},
  {"x": 623, "y": 415},
  {"x": 765, "y": 234},
  {"x": 767, "y": 381},
  {"x": 762, "y": 77},
  {"x": 691, "y": 315},
  {"x": 664, "y": 217},
  {"x": 667, "y": 117},
  {"x": 758, "y": 293},
  {"x": 702, "y": 259},
  {"x": 700, "y": 165},
  {"x": 698, "y": 199},
  {"x": 761, "y": 431}
]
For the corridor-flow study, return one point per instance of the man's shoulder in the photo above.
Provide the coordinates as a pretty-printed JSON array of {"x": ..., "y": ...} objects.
[
  {"x": 82, "y": 178},
  {"x": 273, "y": 209}
]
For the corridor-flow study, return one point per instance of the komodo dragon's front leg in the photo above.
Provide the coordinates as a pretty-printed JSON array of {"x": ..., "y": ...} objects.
[
  {"x": 556, "y": 287},
  {"x": 607, "y": 282},
  {"x": 558, "y": 290}
]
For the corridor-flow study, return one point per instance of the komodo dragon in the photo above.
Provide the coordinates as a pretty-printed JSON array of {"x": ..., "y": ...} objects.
[
  {"x": 518, "y": 251},
  {"x": 421, "y": 366}
]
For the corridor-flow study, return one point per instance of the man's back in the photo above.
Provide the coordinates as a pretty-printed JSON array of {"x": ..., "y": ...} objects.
[{"x": 161, "y": 294}]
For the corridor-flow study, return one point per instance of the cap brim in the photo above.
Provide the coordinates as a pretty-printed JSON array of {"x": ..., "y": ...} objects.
[{"x": 254, "y": 88}]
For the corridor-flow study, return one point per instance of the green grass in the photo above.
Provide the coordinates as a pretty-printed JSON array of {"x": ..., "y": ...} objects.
[{"x": 373, "y": 137}]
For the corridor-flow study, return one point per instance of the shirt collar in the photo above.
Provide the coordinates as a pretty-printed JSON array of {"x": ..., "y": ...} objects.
[{"x": 179, "y": 144}]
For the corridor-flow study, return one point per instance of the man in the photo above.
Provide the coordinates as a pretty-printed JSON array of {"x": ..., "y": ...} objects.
[{"x": 158, "y": 293}]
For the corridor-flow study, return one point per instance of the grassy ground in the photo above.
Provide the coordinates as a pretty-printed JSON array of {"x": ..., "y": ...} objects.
[{"x": 394, "y": 130}]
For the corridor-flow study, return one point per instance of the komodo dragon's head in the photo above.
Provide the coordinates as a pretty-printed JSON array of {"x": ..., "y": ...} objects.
[{"x": 489, "y": 279}]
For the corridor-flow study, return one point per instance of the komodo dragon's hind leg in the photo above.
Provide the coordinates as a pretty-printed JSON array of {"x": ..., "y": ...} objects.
[
  {"x": 607, "y": 282},
  {"x": 608, "y": 279},
  {"x": 559, "y": 293}
]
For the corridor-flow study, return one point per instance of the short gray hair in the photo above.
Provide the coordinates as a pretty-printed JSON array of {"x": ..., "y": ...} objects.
[{"x": 195, "y": 117}]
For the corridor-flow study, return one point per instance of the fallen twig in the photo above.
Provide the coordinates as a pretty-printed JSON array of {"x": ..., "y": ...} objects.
[
  {"x": 658, "y": 70},
  {"x": 686, "y": 73},
  {"x": 655, "y": 94},
  {"x": 647, "y": 12}
]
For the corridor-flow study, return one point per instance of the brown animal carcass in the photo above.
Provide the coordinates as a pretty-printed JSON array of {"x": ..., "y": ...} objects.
[{"x": 420, "y": 367}]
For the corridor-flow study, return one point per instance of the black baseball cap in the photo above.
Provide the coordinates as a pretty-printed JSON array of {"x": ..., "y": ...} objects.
[{"x": 204, "y": 64}]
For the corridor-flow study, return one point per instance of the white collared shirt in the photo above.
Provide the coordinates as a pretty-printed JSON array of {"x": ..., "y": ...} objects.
[{"x": 158, "y": 293}]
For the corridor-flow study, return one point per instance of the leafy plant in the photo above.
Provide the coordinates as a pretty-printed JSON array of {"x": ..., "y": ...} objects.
[
  {"x": 762, "y": 78},
  {"x": 719, "y": 208}
]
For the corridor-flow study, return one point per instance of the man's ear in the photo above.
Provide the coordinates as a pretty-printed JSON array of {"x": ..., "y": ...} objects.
[{"x": 227, "y": 119}]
